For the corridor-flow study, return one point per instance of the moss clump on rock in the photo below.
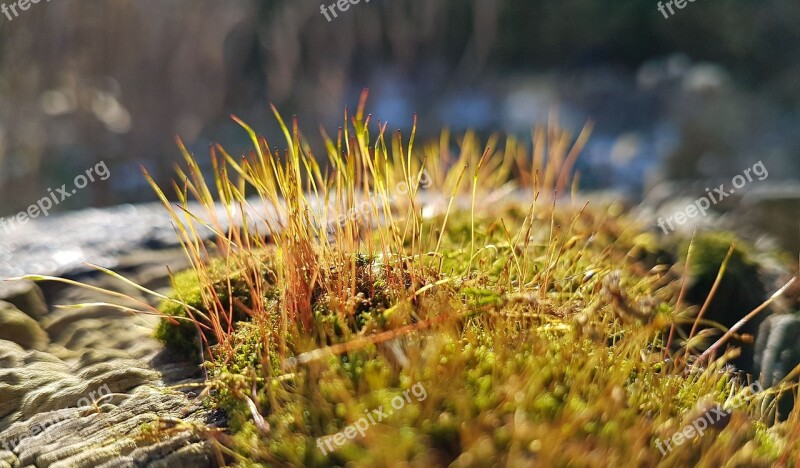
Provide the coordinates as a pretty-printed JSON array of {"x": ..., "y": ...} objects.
[
  {"x": 469, "y": 329},
  {"x": 220, "y": 284},
  {"x": 526, "y": 379}
]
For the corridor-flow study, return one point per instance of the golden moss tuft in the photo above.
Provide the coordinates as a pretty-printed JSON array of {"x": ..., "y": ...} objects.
[{"x": 514, "y": 330}]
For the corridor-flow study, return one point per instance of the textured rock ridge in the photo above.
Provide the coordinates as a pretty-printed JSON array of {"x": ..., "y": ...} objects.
[{"x": 90, "y": 387}]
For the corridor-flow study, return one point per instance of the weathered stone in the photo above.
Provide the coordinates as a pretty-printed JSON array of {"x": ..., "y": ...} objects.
[
  {"x": 57, "y": 322},
  {"x": 194, "y": 455},
  {"x": 777, "y": 349},
  {"x": 68, "y": 390},
  {"x": 26, "y": 296},
  {"x": 90, "y": 413},
  {"x": 178, "y": 451},
  {"x": 19, "y": 328},
  {"x": 89, "y": 387},
  {"x": 91, "y": 408},
  {"x": 777, "y": 353}
]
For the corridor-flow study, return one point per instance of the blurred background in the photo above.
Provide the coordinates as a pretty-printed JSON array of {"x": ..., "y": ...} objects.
[{"x": 705, "y": 93}]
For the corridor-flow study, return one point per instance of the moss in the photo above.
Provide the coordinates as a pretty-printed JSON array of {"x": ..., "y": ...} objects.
[
  {"x": 222, "y": 281},
  {"x": 181, "y": 337},
  {"x": 710, "y": 250},
  {"x": 362, "y": 303},
  {"x": 520, "y": 337},
  {"x": 496, "y": 386}
]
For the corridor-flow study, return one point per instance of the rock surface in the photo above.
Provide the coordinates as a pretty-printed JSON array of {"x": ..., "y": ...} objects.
[
  {"x": 18, "y": 328},
  {"x": 777, "y": 354},
  {"x": 90, "y": 387},
  {"x": 24, "y": 295}
]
